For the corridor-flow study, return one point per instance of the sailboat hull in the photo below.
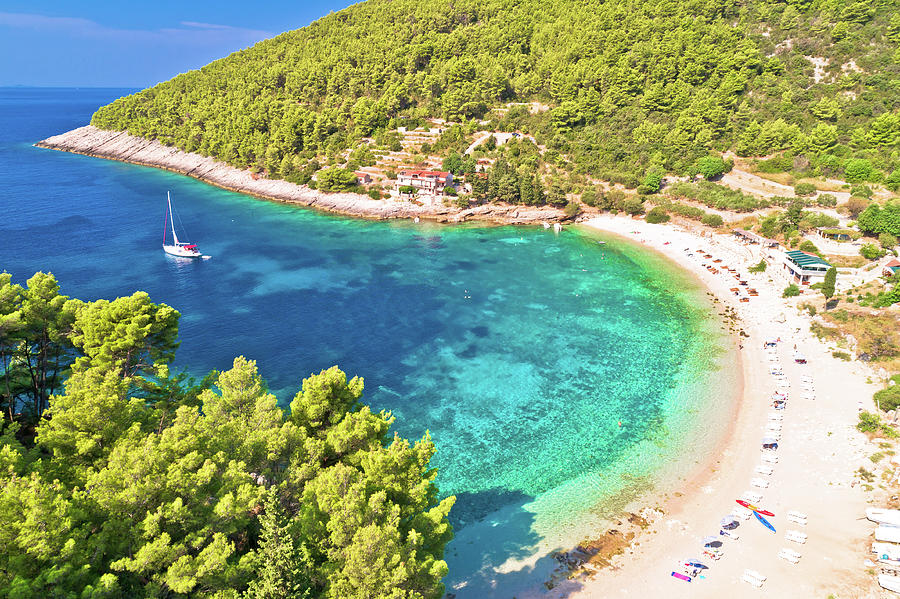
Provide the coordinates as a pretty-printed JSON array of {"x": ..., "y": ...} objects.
[{"x": 181, "y": 252}]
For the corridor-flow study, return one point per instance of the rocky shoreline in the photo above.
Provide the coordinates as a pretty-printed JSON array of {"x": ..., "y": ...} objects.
[{"x": 119, "y": 145}]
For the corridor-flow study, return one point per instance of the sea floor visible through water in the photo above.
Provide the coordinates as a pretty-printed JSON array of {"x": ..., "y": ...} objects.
[{"x": 560, "y": 379}]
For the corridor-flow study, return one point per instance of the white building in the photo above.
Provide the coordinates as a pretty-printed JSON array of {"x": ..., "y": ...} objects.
[
  {"x": 430, "y": 181},
  {"x": 805, "y": 268}
]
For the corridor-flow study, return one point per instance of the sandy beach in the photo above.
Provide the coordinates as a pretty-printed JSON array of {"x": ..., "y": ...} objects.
[{"x": 818, "y": 452}]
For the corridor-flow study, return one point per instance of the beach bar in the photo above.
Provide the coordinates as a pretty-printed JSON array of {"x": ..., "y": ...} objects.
[{"x": 805, "y": 268}]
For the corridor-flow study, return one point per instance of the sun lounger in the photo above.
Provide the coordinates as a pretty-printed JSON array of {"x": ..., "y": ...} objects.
[
  {"x": 741, "y": 512},
  {"x": 776, "y": 417},
  {"x": 795, "y": 536},
  {"x": 773, "y": 425},
  {"x": 730, "y": 534},
  {"x": 751, "y": 496},
  {"x": 791, "y": 552},
  {"x": 759, "y": 482},
  {"x": 797, "y": 514},
  {"x": 769, "y": 458},
  {"x": 755, "y": 575},
  {"x": 788, "y": 556},
  {"x": 762, "y": 469},
  {"x": 796, "y": 519},
  {"x": 753, "y": 581}
]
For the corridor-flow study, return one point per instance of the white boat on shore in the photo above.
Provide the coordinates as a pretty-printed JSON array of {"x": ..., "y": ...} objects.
[
  {"x": 887, "y": 534},
  {"x": 181, "y": 249},
  {"x": 891, "y": 583},
  {"x": 883, "y": 516}
]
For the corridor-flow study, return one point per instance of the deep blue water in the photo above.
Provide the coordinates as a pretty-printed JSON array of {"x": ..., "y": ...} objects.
[{"x": 519, "y": 350}]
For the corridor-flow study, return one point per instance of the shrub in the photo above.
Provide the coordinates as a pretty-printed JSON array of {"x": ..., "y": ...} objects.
[
  {"x": 868, "y": 422},
  {"x": 652, "y": 181},
  {"x": 870, "y": 251},
  {"x": 712, "y": 220},
  {"x": 633, "y": 206},
  {"x": 589, "y": 197},
  {"x": 888, "y": 399},
  {"x": 862, "y": 191},
  {"x": 711, "y": 167},
  {"x": 407, "y": 189},
  {"x": 791, "y": 291},
  {"x": 716, "y": 196},
  {"x": 887, "y": 240},
  {"x": 778, "y": 164},
  {"x": 855, "y": 205},
  {"x": 804, "y": 189},
  {"x": 658, "y": 215},
  {"x": 761, "y": 267},
  {"x": 858, "y": 169},
  {"x": 572, "y": 209},
  {"x": 872, "y": 423},
  {"x": 808, "y": 246},
  {"x": 826, "y": 199},
  {"x": 841, "y": 355},
  {"x": 374, "y": 194}
]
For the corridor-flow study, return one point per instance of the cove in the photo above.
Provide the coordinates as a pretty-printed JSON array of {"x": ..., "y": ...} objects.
[{"x": 558, "y": 377}]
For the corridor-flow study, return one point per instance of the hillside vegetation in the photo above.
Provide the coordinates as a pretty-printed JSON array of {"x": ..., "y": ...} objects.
[
  {"x": 121, "y": 480},
  {"x": 632, "y": 85}
]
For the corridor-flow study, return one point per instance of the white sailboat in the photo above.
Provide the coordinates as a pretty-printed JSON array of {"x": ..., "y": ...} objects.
[{"x": 182, "y": 249}]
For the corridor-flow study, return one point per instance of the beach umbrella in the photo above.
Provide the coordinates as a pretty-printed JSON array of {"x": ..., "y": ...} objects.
[
  {"x": 712, "y": 542},
  {"x": 768, "y": 440},
  {"x": 696, "y": 563},
  {"x": 729, "y": 523}
]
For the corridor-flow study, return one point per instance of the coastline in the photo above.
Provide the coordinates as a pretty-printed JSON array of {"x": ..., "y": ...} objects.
[
  {"x": 123, "y": 147},
  {"x": 822, "y": 448},
  {"x": 831, "y": 563}
]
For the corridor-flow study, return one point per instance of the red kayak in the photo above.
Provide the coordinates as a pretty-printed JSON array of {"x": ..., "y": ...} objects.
[{"x": 752, "y": 507}]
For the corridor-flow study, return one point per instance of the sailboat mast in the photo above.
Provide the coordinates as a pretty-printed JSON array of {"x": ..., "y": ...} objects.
[{"x": 172, "y": 219}]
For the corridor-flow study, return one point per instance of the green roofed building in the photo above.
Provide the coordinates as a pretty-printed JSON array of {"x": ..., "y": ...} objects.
[{"x": 805, "y": 268}]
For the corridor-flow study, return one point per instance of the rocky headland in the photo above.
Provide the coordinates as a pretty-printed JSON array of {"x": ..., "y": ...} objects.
[{"x": 119, "y": 145}]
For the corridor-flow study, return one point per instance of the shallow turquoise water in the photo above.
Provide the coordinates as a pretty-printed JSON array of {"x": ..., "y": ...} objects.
[{"x": 554, "y": 374}]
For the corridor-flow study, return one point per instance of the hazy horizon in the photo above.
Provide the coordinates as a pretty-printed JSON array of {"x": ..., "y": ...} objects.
[{"x": 101, "y": 44}]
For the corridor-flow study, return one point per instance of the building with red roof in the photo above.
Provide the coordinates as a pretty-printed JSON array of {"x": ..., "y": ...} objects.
[{"x": 430, "y": 181}]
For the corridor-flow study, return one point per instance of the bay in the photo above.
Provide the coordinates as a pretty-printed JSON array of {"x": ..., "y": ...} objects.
[{"x": 557, "y": 377}]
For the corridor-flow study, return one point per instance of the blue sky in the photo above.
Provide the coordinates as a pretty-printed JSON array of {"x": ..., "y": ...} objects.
[{"x": 102, "y": 43}]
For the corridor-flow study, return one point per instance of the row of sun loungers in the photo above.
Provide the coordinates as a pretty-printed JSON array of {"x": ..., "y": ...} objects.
[
  {"x": 773, "y": 429},
  {"x": 715, "y": 266},
  {"x": 795, "y": 536},
  {"x": 768, "y": 458},
  {"x": 753, "y": 577},
  {"x": 789, "y": 555}
]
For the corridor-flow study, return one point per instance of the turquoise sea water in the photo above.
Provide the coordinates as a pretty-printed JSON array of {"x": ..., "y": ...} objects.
[{"x": 555, "y": 375}]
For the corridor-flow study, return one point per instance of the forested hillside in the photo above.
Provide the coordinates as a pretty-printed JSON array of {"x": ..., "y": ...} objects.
[
  {"x": 119, "y": 479},
  {"x": 632, "y": 84}
]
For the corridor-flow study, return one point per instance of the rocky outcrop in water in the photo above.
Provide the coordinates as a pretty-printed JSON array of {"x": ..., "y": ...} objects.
[{"x": 118, "y": 145}]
